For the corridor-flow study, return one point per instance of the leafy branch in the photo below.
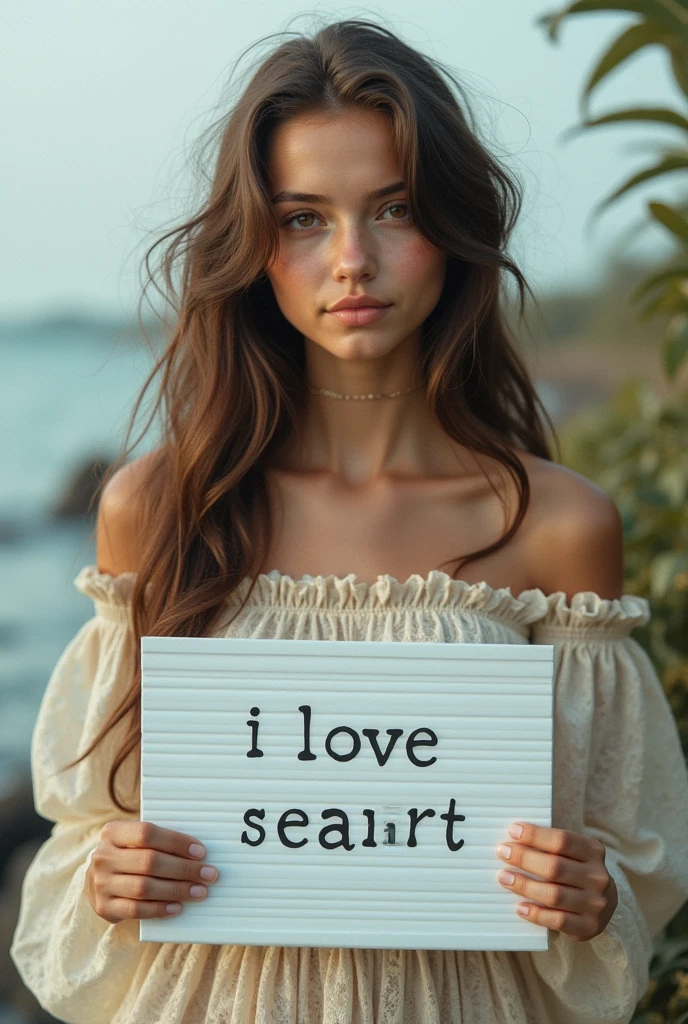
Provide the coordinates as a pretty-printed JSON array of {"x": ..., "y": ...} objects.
[{"x": 662, "y": 23}]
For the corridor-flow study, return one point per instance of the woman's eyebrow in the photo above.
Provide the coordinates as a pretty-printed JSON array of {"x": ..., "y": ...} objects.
[{"x": 311, "y": 197}]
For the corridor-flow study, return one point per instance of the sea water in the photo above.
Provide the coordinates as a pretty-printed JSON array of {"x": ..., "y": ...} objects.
[{"x": 66, "y": 392}]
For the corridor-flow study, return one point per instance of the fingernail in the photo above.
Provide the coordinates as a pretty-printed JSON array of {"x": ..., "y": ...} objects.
[
  {"x": 504, "y": 851},
  {"x": 210, "y": 874},
  {"x": 195, "y": 850},
  {"x": 197, "y": 891},
  {"x": 506, "y": 877},
  {"x": 173, "y": 908},
  {"x": 522, "y": 910},
  {"x": 515, "y": 831}
]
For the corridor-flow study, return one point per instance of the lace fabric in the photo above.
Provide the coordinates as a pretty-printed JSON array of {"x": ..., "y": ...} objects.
[{"x": 619, "y": 775}]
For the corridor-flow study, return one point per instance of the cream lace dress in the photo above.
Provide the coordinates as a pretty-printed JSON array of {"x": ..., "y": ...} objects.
[{"x": 619, "y": 775}]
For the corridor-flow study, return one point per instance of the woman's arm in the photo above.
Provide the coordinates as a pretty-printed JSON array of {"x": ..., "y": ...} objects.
[
  {"x": 576, "y": 894},
  {"x": 619, "y": 777}
]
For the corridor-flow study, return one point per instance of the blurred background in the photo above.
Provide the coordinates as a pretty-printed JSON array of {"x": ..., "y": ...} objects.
[{"x": 101, "y": 106}]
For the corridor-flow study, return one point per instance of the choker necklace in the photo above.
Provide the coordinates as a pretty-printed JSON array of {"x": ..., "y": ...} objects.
[{"x": 381, "y": 394}]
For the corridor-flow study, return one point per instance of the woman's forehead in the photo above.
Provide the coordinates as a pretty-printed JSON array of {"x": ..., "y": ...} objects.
[{"x": 344, "y": 153}]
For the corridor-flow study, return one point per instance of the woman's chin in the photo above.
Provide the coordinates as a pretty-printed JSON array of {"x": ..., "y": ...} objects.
[{"x": 356, "y": 346}]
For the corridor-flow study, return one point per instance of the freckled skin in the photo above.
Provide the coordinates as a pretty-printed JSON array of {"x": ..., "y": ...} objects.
[{"x": 349, "y": 246}]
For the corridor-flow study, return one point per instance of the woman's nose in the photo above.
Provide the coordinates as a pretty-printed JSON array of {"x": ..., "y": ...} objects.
[{"x": 353, "y": 252}]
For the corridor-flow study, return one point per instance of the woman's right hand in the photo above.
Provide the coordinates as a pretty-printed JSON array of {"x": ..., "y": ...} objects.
[{"x": 143, "y": 870}]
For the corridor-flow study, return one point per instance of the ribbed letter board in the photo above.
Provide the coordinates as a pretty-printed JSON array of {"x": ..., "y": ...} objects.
[{"x": 350, "y": 793}]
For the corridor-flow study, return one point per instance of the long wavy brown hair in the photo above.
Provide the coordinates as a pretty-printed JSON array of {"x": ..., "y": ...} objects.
[{"x": 232, "y": 372}]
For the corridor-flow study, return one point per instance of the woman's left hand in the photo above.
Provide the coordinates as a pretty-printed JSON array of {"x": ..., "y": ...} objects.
[{"x": 579, "y": 894}]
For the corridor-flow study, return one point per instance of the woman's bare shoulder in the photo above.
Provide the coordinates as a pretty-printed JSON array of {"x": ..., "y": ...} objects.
[
  {"x": 559, "y": 494},
  {"x": 121, "y": 514},
  {"x": 575, "y": 531}
]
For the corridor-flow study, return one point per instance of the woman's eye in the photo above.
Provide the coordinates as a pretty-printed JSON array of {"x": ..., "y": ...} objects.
[
  {"x": 297, "y": 216},
  {"x": 295, "y": 219},
  {"x": 397, "y": 206}
]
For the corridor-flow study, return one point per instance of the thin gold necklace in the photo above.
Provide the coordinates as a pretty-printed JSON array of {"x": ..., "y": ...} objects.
[{"x": 380, "y": 394}]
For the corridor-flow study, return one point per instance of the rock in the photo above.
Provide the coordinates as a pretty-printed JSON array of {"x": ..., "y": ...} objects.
[
  {"x": 13, "y": 991},
  {"x": 22, "y": 833},
  {"x": 19, "y": 821},
  {"x": 79, "y": 489},
  {"x": 11, "y": 530}
]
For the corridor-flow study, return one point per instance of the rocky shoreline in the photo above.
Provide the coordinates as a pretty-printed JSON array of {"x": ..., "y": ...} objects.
[{"x": 22, "y": 832}]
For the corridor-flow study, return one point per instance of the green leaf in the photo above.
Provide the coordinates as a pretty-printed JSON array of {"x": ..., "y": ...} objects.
[
  {"x": 670, "y": 13},
  {"x": 663, "y": 569},
  {"x": 655, "y": 115},
  {"x": 659, "y": 305},
  {"x": 670, "y": 218},
  {"x": 646, "y": 494},
  {"x": 679, "y": 65},
  {"x": 677, "y": 161},
  {"x": 652, "y": 309},
  {"x": 674, "y": 481},
  {"x": 643, "y": 33},
  {"x": 676, "y": 347},
  {"x": 679, "y": 273}
]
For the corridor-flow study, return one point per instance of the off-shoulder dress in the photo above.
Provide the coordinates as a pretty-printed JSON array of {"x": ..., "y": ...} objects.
[{"x": 619, "y": 775}]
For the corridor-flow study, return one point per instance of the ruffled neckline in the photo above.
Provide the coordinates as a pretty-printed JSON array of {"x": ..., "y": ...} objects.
[
  {"x": 549, "y": 614},
  {"x": 437, "y": 591}
]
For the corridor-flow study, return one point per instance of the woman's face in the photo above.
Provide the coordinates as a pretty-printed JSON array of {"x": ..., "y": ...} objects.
[{"x": 339, "y": 241}]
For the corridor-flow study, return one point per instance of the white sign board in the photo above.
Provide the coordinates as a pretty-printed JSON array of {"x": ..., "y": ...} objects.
[{"x": 350, "y": 793}]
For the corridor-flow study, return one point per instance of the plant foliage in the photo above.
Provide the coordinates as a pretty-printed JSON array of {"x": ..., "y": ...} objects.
[
  {"x": 662, "y": 23},
  {"x": 636, "y": 447}
]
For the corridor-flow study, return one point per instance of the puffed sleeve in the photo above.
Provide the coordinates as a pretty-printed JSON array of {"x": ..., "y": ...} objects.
[
  {"x": 620, "y": 776},
  {"x": 78, "y": 965}
]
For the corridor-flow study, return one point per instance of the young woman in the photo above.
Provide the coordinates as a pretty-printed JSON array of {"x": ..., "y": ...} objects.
[{"x": 346, "y": 418}]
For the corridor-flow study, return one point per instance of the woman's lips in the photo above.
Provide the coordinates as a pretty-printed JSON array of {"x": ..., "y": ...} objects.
[{"x": 359, "y": 317}]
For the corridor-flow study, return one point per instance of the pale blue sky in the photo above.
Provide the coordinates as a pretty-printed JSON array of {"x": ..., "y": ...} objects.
[{"x": 101, "y": 103}]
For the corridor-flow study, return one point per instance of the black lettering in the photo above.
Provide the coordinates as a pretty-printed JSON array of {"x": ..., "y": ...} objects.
[
  {"x": 285, "y": 823},
  {"x": 370, "y": 837},
  {"x": 411, "y": 743},
  {"x": 256, "y": 813},
  {"x": 306, "y": 754},
  {"x": 450, "y": 817},
  {"x": 341, "y": 827},
  {"x": 355, "y": 743},
  {"x": 391, "y": 831},
  {"x": 415, "y": 818},
  {"x": 372, "y": 734},
  {"x": 253, "y": 725}
]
